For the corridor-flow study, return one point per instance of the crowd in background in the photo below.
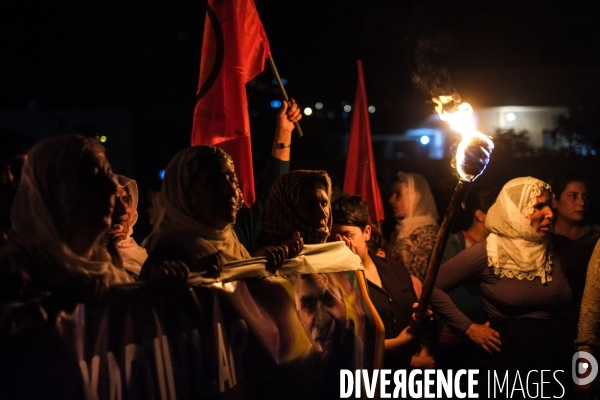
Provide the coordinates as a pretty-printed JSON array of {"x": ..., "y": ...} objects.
[{"x": 512, "y": 292}]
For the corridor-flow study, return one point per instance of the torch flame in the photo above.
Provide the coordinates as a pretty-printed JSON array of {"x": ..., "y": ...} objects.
[{"x": 474, "y": 150}]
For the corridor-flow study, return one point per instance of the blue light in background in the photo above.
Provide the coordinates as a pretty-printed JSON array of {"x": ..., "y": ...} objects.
[
  {"x": 283, "y": 80},
  {"x": 161, "y": 174},
  {"x": 276, "y": 104},
  {"x": 424, "y": 139}
]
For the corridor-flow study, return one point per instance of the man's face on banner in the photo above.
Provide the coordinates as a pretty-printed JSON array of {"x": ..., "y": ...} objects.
[{"x": 321, "y": 310}]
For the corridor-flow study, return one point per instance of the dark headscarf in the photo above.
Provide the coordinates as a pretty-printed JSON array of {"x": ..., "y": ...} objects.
[{"x": 280, "y": 217}]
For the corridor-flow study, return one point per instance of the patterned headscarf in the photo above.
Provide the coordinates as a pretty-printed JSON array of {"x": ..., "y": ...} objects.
[
  {"x": 280, "y": 217},
  {"x": 514, "y": 248}
]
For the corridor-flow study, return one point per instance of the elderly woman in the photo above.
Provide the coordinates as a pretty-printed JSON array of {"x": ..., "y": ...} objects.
[
  {"x": 201, "y": 196},
  {"x": 56, "y": 259},
  {"x": 299, "y": 202},
  {"x": 416, "y": 231},
  {"x": 124, "y": 217},
  {"x": 523, "y": 286}
]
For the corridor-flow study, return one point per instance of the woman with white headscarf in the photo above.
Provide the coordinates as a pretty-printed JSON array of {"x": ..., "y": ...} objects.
[
  {"x": 417, "y": 228},
  {"x": 55, "y": 260},
  {"x": 523, "y": 287},
  {"x": 124, "y": 218},
  {"x": 201, "y": 196}
]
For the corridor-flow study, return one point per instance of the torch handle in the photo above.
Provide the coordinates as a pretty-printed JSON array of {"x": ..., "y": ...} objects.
[{"x": 418, "y": 325}]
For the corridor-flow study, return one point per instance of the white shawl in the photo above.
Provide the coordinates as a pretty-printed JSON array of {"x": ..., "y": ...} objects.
[
  {"x": 39, "y": 212},
  {"x": 514, "y": 248},
  {"x": 178, "y": 220},
  {"x": 420, "y": 205},
  {"x": 131, "y": 253}
]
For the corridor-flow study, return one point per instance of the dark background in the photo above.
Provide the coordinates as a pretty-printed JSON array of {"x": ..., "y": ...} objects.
[{"x": 143, "y": 57}]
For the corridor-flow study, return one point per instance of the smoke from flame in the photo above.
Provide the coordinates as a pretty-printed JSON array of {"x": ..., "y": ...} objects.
[{"x": 475, "y": 148}]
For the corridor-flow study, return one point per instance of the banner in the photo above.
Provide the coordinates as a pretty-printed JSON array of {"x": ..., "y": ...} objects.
[{"x": 275, "y": 337}]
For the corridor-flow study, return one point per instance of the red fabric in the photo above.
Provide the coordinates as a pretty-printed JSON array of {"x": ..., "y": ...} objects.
[
  {"x": 234, "y": 49},
  {"x": 360, "y": 178}
]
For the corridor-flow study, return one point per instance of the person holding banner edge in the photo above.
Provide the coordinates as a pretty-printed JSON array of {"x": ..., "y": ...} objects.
[{"x": 201, "y": 196}]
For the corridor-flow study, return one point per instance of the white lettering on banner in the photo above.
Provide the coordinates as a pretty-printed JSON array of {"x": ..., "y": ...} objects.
[
  {"x": 90, "y": 378},
  {"x": 164, "y": 370},
  {"x": 226, "y": 365},
  {"x": 114, "y": 378},
  {"x": 132, "y": 352}
]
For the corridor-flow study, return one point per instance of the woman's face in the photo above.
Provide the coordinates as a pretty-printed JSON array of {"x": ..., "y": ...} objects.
[
  {"x": 215, "y": 195},
  {"x": 123, "y": 209},
  {"x": 356, "y": 235},
  {"x": 314, "y": 206},
  {"x": 399, "y": 200},
  {"x": 572, "y": 204},
  {"x": 93, "y": 196},
  {"x": 541, "y": 217}
]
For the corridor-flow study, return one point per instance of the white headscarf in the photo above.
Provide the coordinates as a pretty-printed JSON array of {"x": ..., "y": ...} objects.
[
  {"x": 131, "y": 253},
  {"x": 514, "y": 248},
  {"x": 419, "y": 203},
  {"x": 179, "y": 218},
  {"x": 39, "y": 213}
]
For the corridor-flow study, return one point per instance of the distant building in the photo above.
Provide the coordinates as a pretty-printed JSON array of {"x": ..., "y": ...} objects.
[{"x": 434, "y": 141}]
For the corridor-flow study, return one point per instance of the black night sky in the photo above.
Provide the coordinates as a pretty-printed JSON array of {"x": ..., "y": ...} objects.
[{"x": 144, "y": 57}]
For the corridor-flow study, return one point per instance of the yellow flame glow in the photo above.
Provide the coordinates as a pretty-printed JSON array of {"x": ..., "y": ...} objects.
[{"x": 460, "y": 117}]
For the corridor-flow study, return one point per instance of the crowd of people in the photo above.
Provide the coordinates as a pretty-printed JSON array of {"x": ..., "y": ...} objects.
[{"x": 511, "y": 295}]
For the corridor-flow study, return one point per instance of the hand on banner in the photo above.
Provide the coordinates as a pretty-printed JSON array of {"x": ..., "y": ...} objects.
[
  {"x": 294, "y": 245},
  {"x": 275, "y": 256},
  {"x": 349, "y": 244},
  {"x": 210, "y": 266},
  {"x": 168, "y": 274},
  {"x": 484, "y": 336}
]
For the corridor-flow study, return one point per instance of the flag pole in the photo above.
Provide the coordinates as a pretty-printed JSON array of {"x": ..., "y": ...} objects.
[{"x": 285, "y": 96}]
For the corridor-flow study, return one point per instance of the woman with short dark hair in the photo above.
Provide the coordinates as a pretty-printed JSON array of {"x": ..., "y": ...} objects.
[{"x": 390, "y": 285}]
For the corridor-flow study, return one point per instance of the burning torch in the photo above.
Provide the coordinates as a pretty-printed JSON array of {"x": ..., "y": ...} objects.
[{"x": 472, "y": 156}]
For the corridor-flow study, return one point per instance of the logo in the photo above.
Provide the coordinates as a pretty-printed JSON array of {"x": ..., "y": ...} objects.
[{"x": 584, "y": 368}]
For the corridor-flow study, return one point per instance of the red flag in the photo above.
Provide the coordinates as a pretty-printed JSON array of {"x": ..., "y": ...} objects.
[
  {"x": 360, "y": 175},
  {"x": 234, "y": 49}
]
